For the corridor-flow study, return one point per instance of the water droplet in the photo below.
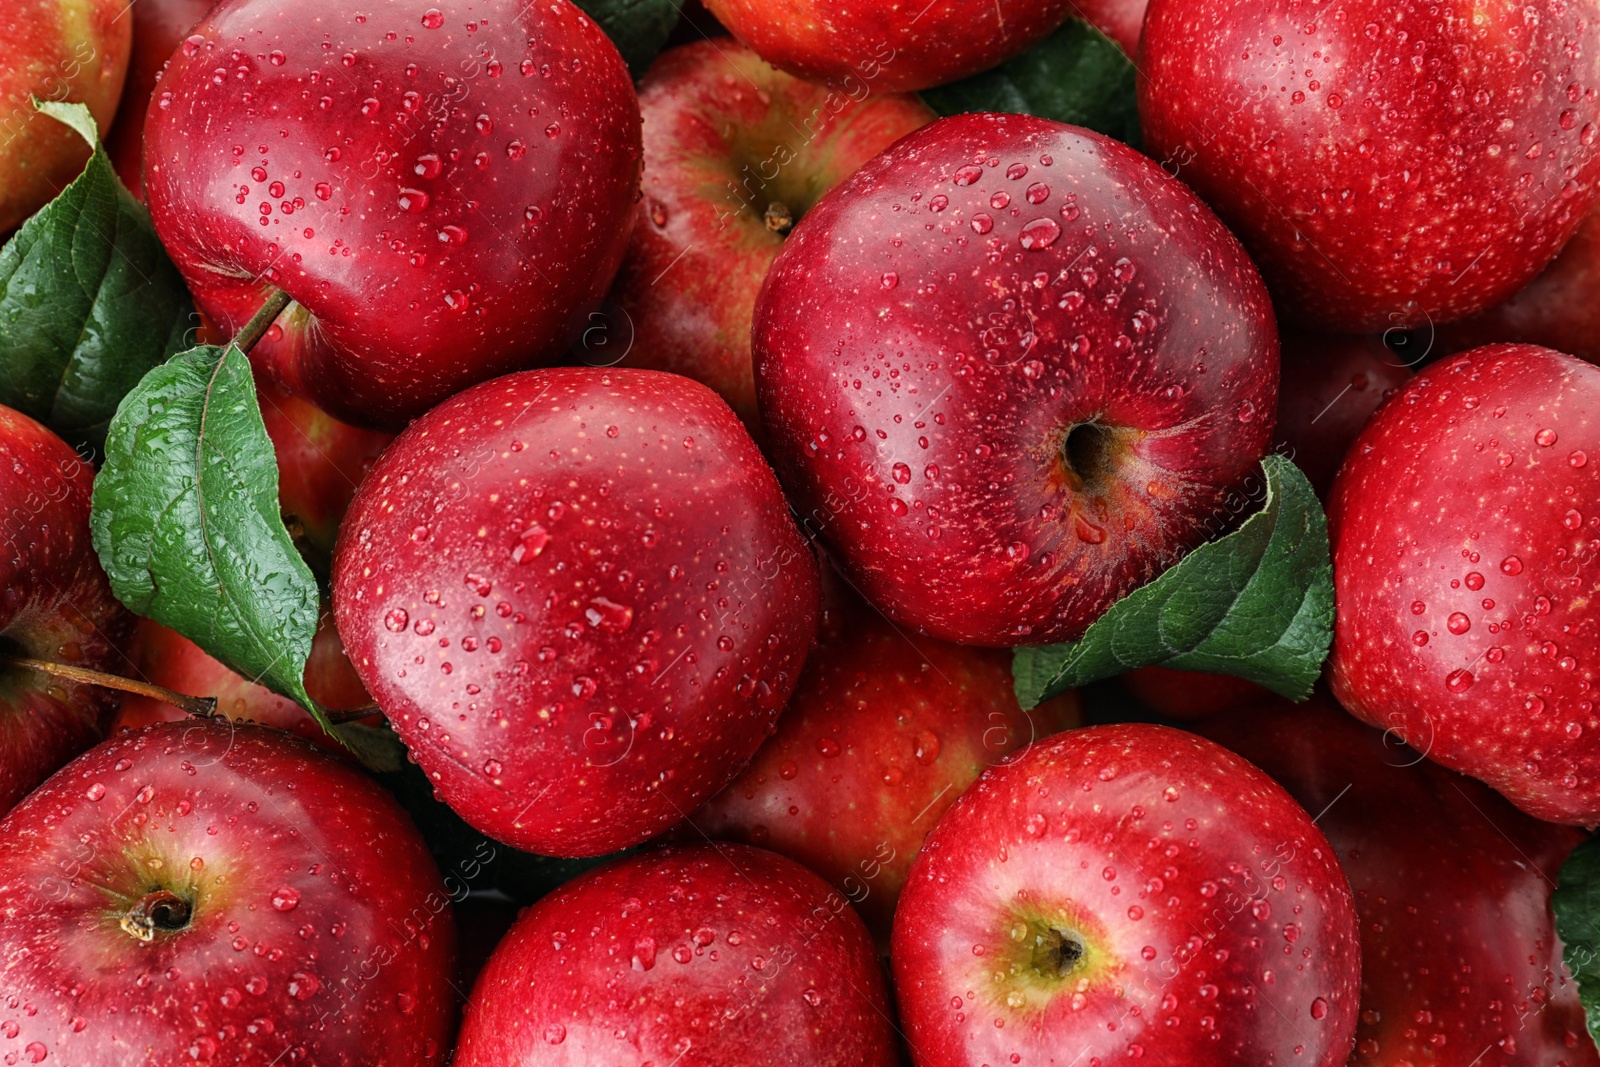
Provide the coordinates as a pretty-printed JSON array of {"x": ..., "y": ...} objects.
[
  {"x": 452, "y": 235},
  {"x": 901, "y": 473},
  {"x": 1459, "y": 681},
  {"x": 303, "y": 986},
  {"x": 1474, "y": 581},
  {"x": 554, "y": 1034},
  {"x": 1511, "y": 565},
  {"x": 1419, "y": 638},
  {"x": 492, "y": 768},
  {"x": 1319, "y": 1008},
  {"x": 96, "y": 792},
  {"x": 981, "y": 223},
  {"x": 413, "y": 200},
  {"x": 967, "y": 175},
  {"x": 608, "y": 616},
  {"x": 644, "y": 954},
  {"x": 1040, "y": 234},
  {"x": 890, "y": 279},
  {"x": 432, "y": 18},
  {"x": 1545, "y": 438},
  {"x": 193, "y": 44},
  {"x": 285, "y": 898},
  {"x": 827, "y": 747},
  {"x": 1458, "y": 623}
]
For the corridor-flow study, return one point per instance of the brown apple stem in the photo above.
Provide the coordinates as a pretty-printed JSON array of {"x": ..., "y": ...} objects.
[
  {"x": 778, "y": 217},
  {"x": 199, "y": 707},
  {"x": 262, "y": 320},
  {"x": 360, "y": 711}
]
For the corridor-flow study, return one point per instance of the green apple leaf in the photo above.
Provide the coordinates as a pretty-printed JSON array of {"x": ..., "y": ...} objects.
[
  {"x": 639, "y": 28},
  {"x": 185, "y": 520},
  {"x": 1076, "y": 75},
  {"x": 1576, "y": 903},
  {"x": 89, "y": 300},
  {"x": 1256, "y": 603}
]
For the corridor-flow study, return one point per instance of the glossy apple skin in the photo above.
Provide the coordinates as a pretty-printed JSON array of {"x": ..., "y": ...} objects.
[
  {"x": 1120, "y": 20},
  {"x": 886, "y": 46},
  {"x": 919, "y": 379},
  {"x": 55, "y": 605},
  {"x": 1464, "y": 551},
  {"x": 706, "y": 956},
  {"x": 1191, "y": 695},
  {"x": 63, "y": 50},
  {"x": 1459, "y": 953},
  {"x": 1420, "y": 170},
  {"x": 159, "y": 26},
  {"x": 882, "y": 735},
  {"x": 580, "y": 598},
  {"x": 458, "y": 230},
  {"x": 1187, "y": 876},
  {"x": 1329, "y": 387},
  {"x": 318, "y": 921},
  {"x": 725, "y": 135}
]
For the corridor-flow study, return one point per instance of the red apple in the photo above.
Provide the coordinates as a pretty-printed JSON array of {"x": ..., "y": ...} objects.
[
  {"x": 729, "y": 144},
  {"x": 63, "y": 50},
  {"x": 54, "y": 605},
  {"x": 224, "y": 894},
  {"x": 881, "y": 46},
  {"x": 1011, "y": 372},
  {"x": 696, "y": 957},
  {"x": 1329, "y": 387},
  {"x": 1465, "y": 534},
  {"x": 1190, "y": 695},
  {"x": 1387, "y": 162},
  {"x": 580, "y": 598},
  {"x": 1121, "y": 892},
  {"x": 1460, "y": 962},
  {"x": 441, "y": 189},
  {"x": 881, "y": 736},
  {"x": 159, "y": 26},
  {"x": 1120, "y": 20}
]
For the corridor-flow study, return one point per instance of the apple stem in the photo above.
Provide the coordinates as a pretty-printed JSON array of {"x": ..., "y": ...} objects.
[
  {"x": 360, "y": 711},
  {"x": 160, "y": 909},
  {"x": 199, "y": 707},
  {"x": 778, "y": 217},
  {"x": 262, "y": 320}
]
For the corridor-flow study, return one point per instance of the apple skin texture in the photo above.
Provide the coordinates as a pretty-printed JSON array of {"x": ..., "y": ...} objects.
[
  {"x": 724, "y": 136},
  {"x": 1182, "y": 873},
  {"x": 1387, "y": 162},
  {"x": 924, "y": 356},
  {"x": 318, "y": 921},
  {"x": 580, "y": 598},
  {"x": 1460, "y": 962},
  {"x": 1464, "y": 536},
  {"x": 159, "y": 26},
  {"x": 706, "y": 956},
  {"x": 471, "y": 212},
  {"x": 55, "y": 604}
]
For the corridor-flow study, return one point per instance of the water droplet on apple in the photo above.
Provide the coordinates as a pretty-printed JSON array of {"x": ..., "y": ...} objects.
[
  {"x": 303, "y": 986},
  {"x": 413, "y": 200},
  {"x": 1319, "y": 1008},
  {"x": 967, "y": 175},
  {"x": 1040, "y": 234},
  {"x": 1459, "y": 681},
  {"x": 285, "y": 898},
  {"x": 981, "y": 223},
  {"x": 554, "y": 1034},
  {"x": 96, "y": 792},
  {"x": 452, "y": 235},
  {"x": 1545, "y": 438},
  {"x": 1458, "y": 623},
  {"x": 193, "y": 44},
  {"x": 432, "y": 18},
  {"x": 608, "y": 616}
]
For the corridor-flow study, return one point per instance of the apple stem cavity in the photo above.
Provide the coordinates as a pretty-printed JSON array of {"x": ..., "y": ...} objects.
[
  {"x": 778, "y": 217},
  {"x": 159, "y": 909},
  {"x": 1088, "y": 451},
  {"x": 1057, "y": 953},
  {"x": 199, "y": 707},
  {"x": 276, "y": 303}
]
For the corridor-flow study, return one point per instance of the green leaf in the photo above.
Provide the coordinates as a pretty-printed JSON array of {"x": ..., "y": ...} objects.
[
  {"x": 1257, "y": 603},
  {"x": 1576, "y": 903},
  {"x": 1076, "y": 75},
  {"x": 186, "y": 521},
  {"x": 89, "y": 300},
  {"x": 638, "y": 28}
]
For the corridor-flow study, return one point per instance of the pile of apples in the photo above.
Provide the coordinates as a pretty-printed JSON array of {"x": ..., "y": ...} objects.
[{"x": 679, "y": 453}]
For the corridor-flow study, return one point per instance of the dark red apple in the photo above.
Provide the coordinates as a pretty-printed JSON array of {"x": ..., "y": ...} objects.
[
  {"x": 54, "y": 605},
  {"x": 1120, "y": 20},
  {"x": 735, "y": 152},
  {"x": 1126, "y": 892},
  {"x": 709, "y": 956},
  {"x": 159, "y": 26},
  {"x": 440, "y": 188},
  {"x": 580, "y": 598},
  {"x": 223, "y": 894},
  {"x": 881, "y": 46},
  {"x": 1011, "y": 372},
  {"x": 1465, "y": 534},
  {"x": 1189, "y": 695},
  {"x": 881, "y": 736},
  {"x": 1460, "y": 962},
  {"x": 1387, "y": 162},
  {"x": 1329, "y": 387}
]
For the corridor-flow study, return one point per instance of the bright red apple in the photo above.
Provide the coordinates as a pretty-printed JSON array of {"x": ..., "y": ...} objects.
[
  {"x": 61, "y": 50},
  {"x": 223, "y": 894},
  {"x": 1126, "y": 892},
  {"x": 1465, "y": 534},
  {"x": 1460, "y": 962},
  {"x": 580, "y": 598},
  {"x": 735, "y": 152},
  {"x": 879, "y": 46},
  {"x": 1191, "y": 695},
  {"x": 1120, "y": 20},
  {"x": 883, "y": 734},
  {"x": 440, "y": 188},
  {"x": 697, "y": 957},
  {"x": 1387, "y": 162},
  {"x": 1011, "y": 372},
  {"x": 1328, "y": 389},
  {"x": 55, "y": 605},
  {"x": 159, "y": 26}
]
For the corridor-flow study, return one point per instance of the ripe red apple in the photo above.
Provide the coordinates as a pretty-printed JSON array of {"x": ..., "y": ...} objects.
[
  {"x": 883, "y": 47},
  {"x": 1460, "y": 961},
  {"x": 1120, "y": 20},
  {"x": 1387, "y": 162},
  {"x": 1465, "y": 535},
  {"x": 881, "y": 736},
  {"x": 1121, "y": 892},
  {"x": 580, "y": 598},
  {"x": 1329, "y": 387},
  {"x": 729, "y": 144},
  {"x": 1011, "y": 372},
  {"x": 1191, "y": 695},
  {"x": 440, "y": 188},
  {"x": 224, "y": 894},
  {"x": 54, "y": 605},
  {"x": 696, "y": 957},
  {"x": 63, "y": 50},
  {"x": 159, "y": 26}
]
